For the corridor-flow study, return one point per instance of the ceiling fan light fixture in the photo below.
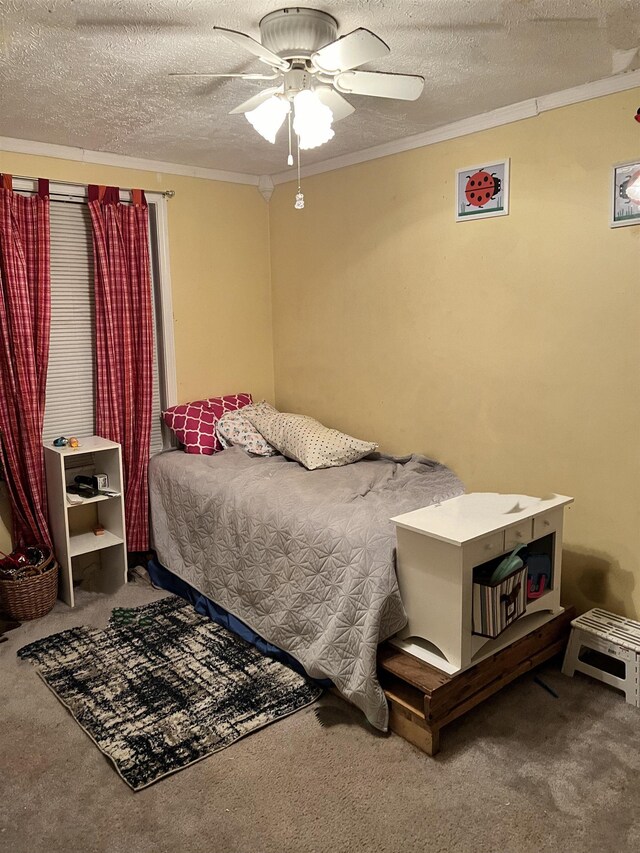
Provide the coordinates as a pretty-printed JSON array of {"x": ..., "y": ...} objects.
[
  {"x": 269, "y": 117},
  {"x": 312, "y": 120}
]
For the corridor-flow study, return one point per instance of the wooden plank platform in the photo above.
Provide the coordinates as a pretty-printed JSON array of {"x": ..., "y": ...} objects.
[{"x": 423, "y": 699}]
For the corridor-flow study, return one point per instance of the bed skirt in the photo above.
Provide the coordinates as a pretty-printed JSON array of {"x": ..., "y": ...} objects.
[{"x": 165, "y": 579}]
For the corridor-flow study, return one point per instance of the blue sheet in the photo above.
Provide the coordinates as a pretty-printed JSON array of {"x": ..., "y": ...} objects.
[{"x": 165, "y": 579}]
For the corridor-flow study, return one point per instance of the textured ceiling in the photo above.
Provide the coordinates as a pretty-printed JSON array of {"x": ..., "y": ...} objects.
[{"x": 93, "y": 73}]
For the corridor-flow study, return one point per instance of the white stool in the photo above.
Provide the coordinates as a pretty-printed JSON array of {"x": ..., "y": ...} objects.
[{"x": 612, "y": 635}]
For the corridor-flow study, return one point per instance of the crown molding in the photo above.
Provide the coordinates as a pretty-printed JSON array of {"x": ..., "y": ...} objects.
[
  {"x": 464, "y": 127},
  {"x": 102, "y": 158},
  {"x": 589, "y": 91},
  {"x": 474, "y": 124},
  {"x": 265, "y": 187}
]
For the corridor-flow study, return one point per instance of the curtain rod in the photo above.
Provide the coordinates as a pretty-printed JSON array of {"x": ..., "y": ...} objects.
[{"x": 163, "y": 193}]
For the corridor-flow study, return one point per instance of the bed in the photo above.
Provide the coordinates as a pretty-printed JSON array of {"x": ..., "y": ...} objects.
[{"x": 304, "y": 558}]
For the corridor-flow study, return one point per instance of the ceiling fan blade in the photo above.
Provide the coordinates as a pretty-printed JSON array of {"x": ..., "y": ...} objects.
[
  {"x": 406, "y": 87},
  {"x": 336, "y": 103},
  {"x": 347, "y": 52},
  {"x": 254, "y": 47},
  {"x": 240, "y": 76},
  {"x": 256, "y": 100}
]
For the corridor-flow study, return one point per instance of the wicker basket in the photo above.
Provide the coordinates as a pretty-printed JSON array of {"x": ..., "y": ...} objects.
[{"x": 33, "y": 597}]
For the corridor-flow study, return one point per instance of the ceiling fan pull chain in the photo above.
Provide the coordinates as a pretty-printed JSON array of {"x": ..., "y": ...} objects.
[
  {"x": 290, "y": 157},
  {"x": 299, "y": 203}
]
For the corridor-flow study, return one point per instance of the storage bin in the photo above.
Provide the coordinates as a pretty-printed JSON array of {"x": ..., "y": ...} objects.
[
  {"x": 32, "y": 596},
  {"x": 497, "y": 605}
]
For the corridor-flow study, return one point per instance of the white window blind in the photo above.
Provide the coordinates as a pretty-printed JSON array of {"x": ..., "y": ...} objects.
[{"x": 70, "y": 379}]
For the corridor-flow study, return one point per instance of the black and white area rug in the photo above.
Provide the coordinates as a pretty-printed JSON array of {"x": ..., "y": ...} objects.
[{"x": 163, "y": 687}]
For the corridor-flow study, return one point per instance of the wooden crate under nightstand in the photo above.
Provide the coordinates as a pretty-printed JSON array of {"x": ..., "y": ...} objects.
[{"x": 422, "y": 699}]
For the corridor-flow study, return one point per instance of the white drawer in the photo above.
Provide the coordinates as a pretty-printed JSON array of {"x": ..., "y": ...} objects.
[
  {"x": 484, "y": 549},
  {"x": 519, "y": 534},
  {"x": 547, "y": 523}
]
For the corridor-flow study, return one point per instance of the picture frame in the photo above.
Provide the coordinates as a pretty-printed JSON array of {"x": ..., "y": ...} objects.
[
  {"x": 625, "y": 195},
  {"x": 482, "y": 191}
]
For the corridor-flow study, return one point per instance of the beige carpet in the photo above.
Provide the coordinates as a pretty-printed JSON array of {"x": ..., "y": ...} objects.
[{"x": 523, "y": 773}]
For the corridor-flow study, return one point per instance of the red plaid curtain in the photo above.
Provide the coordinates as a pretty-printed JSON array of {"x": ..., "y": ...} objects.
[
  {"x": 25, "y": 312},
  {"x": 124, "y": 343}
]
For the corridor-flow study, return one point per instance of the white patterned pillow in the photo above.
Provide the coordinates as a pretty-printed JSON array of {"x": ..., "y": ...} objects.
[
  {"x": 306, "y": 440},
  {"x": 235, "y": 429}
]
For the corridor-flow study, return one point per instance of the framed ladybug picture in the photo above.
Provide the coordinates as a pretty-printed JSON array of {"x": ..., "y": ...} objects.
[
  {"x": 482, "y": 191},
  {"x": 625, "y": 204}
]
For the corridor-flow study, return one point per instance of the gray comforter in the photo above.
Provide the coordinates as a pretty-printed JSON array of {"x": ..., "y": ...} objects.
[{"x": 305, "y": 558}]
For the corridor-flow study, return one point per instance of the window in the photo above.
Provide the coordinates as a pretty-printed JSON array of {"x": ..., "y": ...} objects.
[{"x": 69, "y": 406}]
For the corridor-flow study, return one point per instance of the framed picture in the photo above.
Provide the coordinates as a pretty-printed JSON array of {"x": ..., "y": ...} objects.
[
  {"x": 482, "y": 191},
  {"x": 625, "y": 203}
]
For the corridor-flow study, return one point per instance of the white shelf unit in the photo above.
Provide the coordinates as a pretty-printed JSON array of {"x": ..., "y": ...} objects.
[
  {"x": 72, "y": 525},
  {"x": 438, "y": 549}
]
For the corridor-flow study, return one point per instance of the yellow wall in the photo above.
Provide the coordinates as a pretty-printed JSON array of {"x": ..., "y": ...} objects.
[
  {"x": 508, "y": 348},
  {"x": 219, "y": 247}
]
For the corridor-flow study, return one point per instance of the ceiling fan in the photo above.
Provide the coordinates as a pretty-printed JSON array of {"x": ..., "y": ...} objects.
[{"x": 311, "y": 69}]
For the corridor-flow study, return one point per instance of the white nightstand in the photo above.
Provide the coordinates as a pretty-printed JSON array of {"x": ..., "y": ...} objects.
[
  {"x": 72, "y": 525},
  {"x": 439, "y": 547}
]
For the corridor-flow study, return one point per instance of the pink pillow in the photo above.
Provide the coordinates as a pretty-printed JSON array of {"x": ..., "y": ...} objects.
[{"x": 194, "y": 424}]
